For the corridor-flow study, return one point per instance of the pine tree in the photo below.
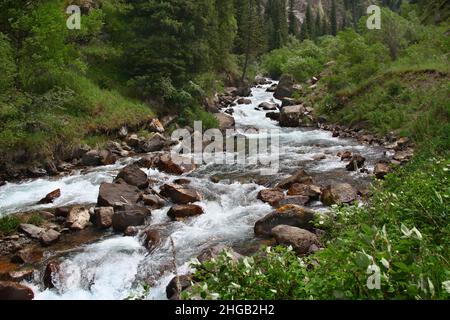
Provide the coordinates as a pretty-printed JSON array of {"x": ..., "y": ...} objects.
[
  {"x": 303, "y": 35},
  {"x": 276, "y": 13},
  {"x": 293, "y": 22},
  {"x": 333, "y": 18},
  {"x": 308, "y": 24},
  {"x": 318, "y": 25}
]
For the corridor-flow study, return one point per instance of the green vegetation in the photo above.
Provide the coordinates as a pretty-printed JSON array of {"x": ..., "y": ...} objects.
[
  {"x": 9, "y": 224},
  {"x": 395, "y": 79},
  {"x": 36, "y": 219}
]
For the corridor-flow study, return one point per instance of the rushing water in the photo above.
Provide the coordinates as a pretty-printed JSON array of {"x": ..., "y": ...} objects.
[{"x": 116, "y": 267}]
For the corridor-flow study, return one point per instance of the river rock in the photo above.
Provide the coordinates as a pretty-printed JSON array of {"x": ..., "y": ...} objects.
[
  {"x": 180, "y": 194},
  {"x": 129, "y": 215},
  {"x": 273, "y": 115},
  {"x": 285, "y": 88},
  {"x": 214, "y": 251},
  {"x": 272, "y": 88},
  {"x": 346, "y": 155},
  {"x": 62, "y": 212},
  {"x": 91, "y": 158},
  {"x": 21, "y": 275},
  {"x": 49, "y": 198},
  {"x": 308, "y": 190},
  {"x": 31, "y": 230},
  {"x": 338, "y": 194},
  {"x": 134, "y": 176},
  {"x": 155, "y": 143},
  {"x": 177, "y": 285},
  {"x": 51, "y": 270},
  {"x": 301, "y": 240},
  {"x": 50, "y": 237},
  {"x": 181, "y": 211},
  {"x": 271, "y": 196},
  {"x": 36, "y": 172},
  {"x": 113, "y": 193},
  {"x": 28, "y": 255},
  {"x": 78, "y": 218},
  {"x": 404, "y": 155},
  {"x": 14, "y": 291},
  {"x": 167, "y": 164},
  {"x": 152, "y": 238},
  {"x": 103, "y": 217},
  {"x": 153, "y": 201},
  {"x": 381, "y": 170},
  {"x": 291, "y": 215},
  {"x": 294, "y": 116},
  {"x": 244, "y": 101},
  {"x": 299, "y": 177},
  {"x": 267, "y": 106},
  {"x": 225, "y": 121},
  {"x": 356, "y": 162},
  {"x": 297, "y": 200},
  {"x": 107, "y": 157},
  {"x": 156, "y": 126}
]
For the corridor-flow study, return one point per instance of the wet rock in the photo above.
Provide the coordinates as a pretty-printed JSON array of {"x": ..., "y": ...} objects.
[
  {"x": 293, "y": 116},
  {"x": 113, "y": 193},
  {"x": 356, "y": 162},
  {"x": 47, "y": 215},
  {"x": 297, "y": 200},
  {"x": 50, "y": 272},
  {"x": 244, "y": 101},
  {"x": 62, "y": 212},
  {"x": 271, "y": 196},
  {"x": 260, "y": 80},
  {"x": 338, "y": 194},
  {"x": 152, "y": 238},
  {"x": 301, "y": 240},
  {"x": 177, "y": 285},
  {"x": 28, "y": 255},
  {"x": 31, "y": 230},
  {"x": 50, "y": 237},
  {"x": 299, "y": 177},
  {"x": 107, "y": 157},
  {"x": 381, "y": 170},
  {"x": 291, "y": 215},
  {"x": 285, "y": 87},
  {"x": 156, "y": 126},
  {"x": 167, "y": 164},
  {"x": 285, "y": 102},
  {"x": 2, "y": 182},
  {"x": 91, "y": 158},
  {"x": 404, "y": 155},
  {"x": 319, "y": 157},
  {"x": 103, "y": 217},
  {"x": 181, "y": 211},
  {"x": 21, "y": 275},
  {"x": 131, "y": 231},
  {"x": 402, "y": 143},
  {"x": 49, "y": 198},
  {"x": 267, "y": 106},
  {"x": 346, "y": 155},
  {"x": 308, "y": 190},
  {"x": 182, "y": 181},
  {"x": 225, "y": 121},
  {"x": 153, "y": 201},
  {"x": 78, "y": 218},
  {"x": 273, "y": 115},
  {"x": 80, "y": 151},
  {"x": 156, "y": 142},
  {"x": 129, "y": 215},
  {"x": 15, "y": 291},
  {"x": 180, "y": 194},
  {"x": 244, "y": 90},
  {"x": 35, "y": 172},
  {"x": 214, "y": 251},
  {"x": 134, "y": 176},
  {"x": 272, "y": 88}
]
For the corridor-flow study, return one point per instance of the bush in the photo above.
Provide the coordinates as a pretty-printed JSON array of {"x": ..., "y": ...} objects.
[
  {"x": 9, "y": 224},
  {"x": 7, "y": 64}
]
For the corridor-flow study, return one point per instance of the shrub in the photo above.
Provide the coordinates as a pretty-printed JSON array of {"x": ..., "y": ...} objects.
[{"x": 9, "y": 224}]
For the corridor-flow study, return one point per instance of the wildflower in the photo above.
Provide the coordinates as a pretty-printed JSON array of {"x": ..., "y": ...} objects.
[
  {"x": 446, "y": 286},
  {"x": 409, "y": 232},
  {"x": 385, "y": 263}
]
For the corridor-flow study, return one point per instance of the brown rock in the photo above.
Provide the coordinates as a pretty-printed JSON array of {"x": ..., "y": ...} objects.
[
  {"x": 338, "y": 194},
  {"x": 225, "y": 121},
  {"x": 297, "y": 200},
  {"x": 49, "y": 237},
  {"x": 244, "y": 101},
  {"x": 181, "y": 211},
  {"x": 156, "y": 126},
  {"x": 114, "y": 193},
  {"x": 15, "y": 291},
  {"x": 346, "y": 155},
  {"x": 28, "y": 255},
  {"x": 271, "y": 196},
  {"x": 301, "y": 240},
  {"x": 291, "y": 215},
  {"x": 285, "y": 87},
  {"x": 49, "y": 198},
  {"x": 299, "y": 177},
  {"x": 307, "y": 190},
  {"x": 131, "y": 231},
  {"x": 62, "y": 211},
  {"x": 134, "y": 176},
  {"x": 180, "y": 194},
  {"x": 103, "y": 217},
  {"x": 20, "y": 275},
  {"x": 381, "y": 170},
  {"x": 129, "y": 215},
  {"x": 152, "y": 238},
  {"x": 356, "y": 162},
  {"x": 51, "y": 270},
  {"x": 177, "y": 285},
  {"x": 154, "y": 201},
  {"x": 31, "y": 230}
]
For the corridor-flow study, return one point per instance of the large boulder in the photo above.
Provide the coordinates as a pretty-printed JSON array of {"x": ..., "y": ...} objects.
[
  {"x": 103, "y": 217},
  {"x": 49, "y": 198},
  {"x": 338, "y": 194},
  {"x": 112, "y": 193},
  {"x": 291, "y": 215},
  {"x": 180, "y": 211},
  {"x": 214, "y": 251},
  {"x": 299, "y": 177},
  {"x": 134, "y": 176},
  {"x": 28, "y": 255},
  {"x": 271, "y": 196},
  {"x": 155, "y": 143},
  {"x": 164, "y": 162},
  {"x": 294, "y": 116},
  {"x": 31, "y": 230},
  {"x": 180, "y": 194},
  {"x": 51, "y": 270},
  {"x": 285, "y": 88},
  {"x": 78, "y": 218},
  {"x": 154, "y": 201},
  {"x": 301, "y": 240},
  {"x": 225, "y": 121},
  {"x": 308, "y": 190},
  {"x": 15, "y": 291},
  {"x": 127, "y": 215},
  {"x": 50, "y": 237},
  {"x": 91, "y": 158},
  {"x": 273, "y": 116}
]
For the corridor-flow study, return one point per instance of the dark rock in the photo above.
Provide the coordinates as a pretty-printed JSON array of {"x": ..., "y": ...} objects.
[
  {"x": 51, "y": 270},
  {"x": 153, "y": 201},
  {"x": 28, "y": 255},
  {"x": 31, "y": 230},
  {"x": 155, "y": 143},
  {"x": 47, "y": 215},
  {"x": 91, "y": 158},
  {"x": 225, "y": 121},
  {"x": 338, "y": 194},
  {"x": 180, "y": 194},
  {"x": 285, "y": 87},
  {"x": 356, "y": 162},
  {"x": 21, "y": 275},
  {"x": 272, "y": 88},
  {"x": 297, "y": 200},
  {"x": 299, "y": 177},
  {"x": 37, "y": 172},
  {"x": 271, "y": 196},
  {"x": 49, "y": 198},
  {"x": 291, "y": 215},
  {"x": 15, "y": 291},
  {"x": 301, "y": 240},
  {"x": 268, "y": 106},
  {"x": 50, "y": 237},
  {"x": 181, "y": 211},
  {"x": 152, "y": 238},
  {"x": 156, "y": 126},
  {"x": 107, "y": 157},
  {"x": 134, "y": 176},
  {"x": 62, "y": 211},
  {"x": 273, "y": 115},
  {"x": 182, "y": 181},
  {"x": 131, "y": 231},
  {"x": 114, "y": 193},
  {"x": 177, "y": 285},
  {"x": 308, "y": 190},
  {"x": 285, "y": 102},
  {"x": 129, "y": 215},
  {"x": 244, "y": 101},
  {"x": 294, "y": 116}
]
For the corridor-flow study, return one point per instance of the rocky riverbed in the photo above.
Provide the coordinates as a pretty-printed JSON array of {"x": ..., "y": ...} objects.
[{"x": 115, "y": 218}]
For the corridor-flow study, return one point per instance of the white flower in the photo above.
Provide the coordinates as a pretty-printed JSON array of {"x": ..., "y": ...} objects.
[
  {"x": 410, "y": 232},
  {"x": 385, "y": 263},
  {"x": 446, "y": 286},
  {"x": 273, "y": 290},
  {"x": 246, "y": 263},
  {"x": 235, "y": 285}
]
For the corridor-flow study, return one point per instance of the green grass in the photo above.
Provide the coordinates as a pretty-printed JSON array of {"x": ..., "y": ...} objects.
[
  {"x": 36, "y": 219},
  {"x": 9, "y": 224}
]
